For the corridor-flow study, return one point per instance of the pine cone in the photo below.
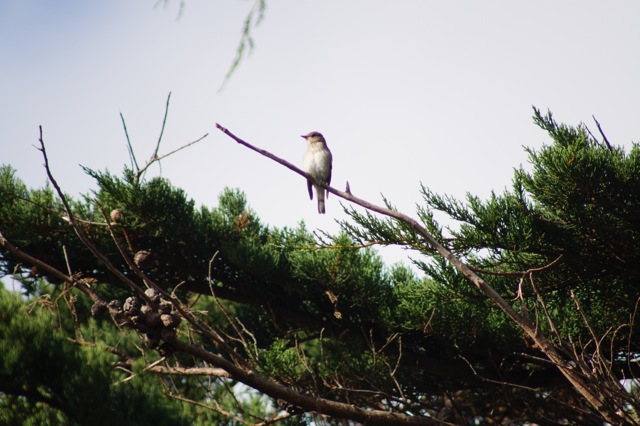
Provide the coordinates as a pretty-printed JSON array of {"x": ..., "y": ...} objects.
[
  {"x": 141, "y": 257},
  {"x": 170, "y": 321},
  {"x": 153, "y": 295},
  {"x": 165, "y": 307},
  {"x": 98, "y": 309},
  {"x": 138, "y": 319},
  {"x": 115, "y": 215},
  {"x": 132, "y": 306},
  {"x": 115, "y": 305},
  {"x": 146, "y": 309},
  {"x": 152, "y": 319},
  {"x": 151, "y": 342},
  {"x": 168, "y": 334}
]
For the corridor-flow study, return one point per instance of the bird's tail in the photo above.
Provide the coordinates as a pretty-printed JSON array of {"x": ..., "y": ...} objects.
[{"x": 320, "y": 194}]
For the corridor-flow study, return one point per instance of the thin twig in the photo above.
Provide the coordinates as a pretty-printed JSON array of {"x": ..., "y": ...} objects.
[
  {"x": 66, "y": 260},
  {"x": 132, "y": 155},
  {"x": 164, "y": 123},
  {"x": 240, "y": 338},
  {"x": 215, "y": 408},
  {"x": 157, "y": 158},
  {"x": 517, "y": 273},
  {"x": 602, "y": 133}
]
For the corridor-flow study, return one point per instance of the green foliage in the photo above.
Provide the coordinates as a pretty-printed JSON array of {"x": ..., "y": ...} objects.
[
  {"x": 30, "y": 227},
  {"x": 578, "y": 207},
  {"x": 253, "y": 19},
  {"x": 47, "y": 379},
  {"x": 587, "y": 198},
  {"x": 283, "y": 358}
]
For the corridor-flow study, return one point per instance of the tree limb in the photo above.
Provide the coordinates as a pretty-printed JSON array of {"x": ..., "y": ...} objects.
[
  {"x": 191, "y": 371},
  {"x": 306, "y": 402}
]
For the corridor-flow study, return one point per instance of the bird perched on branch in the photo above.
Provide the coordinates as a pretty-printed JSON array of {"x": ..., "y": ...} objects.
[{"x": 317, "y": 162}]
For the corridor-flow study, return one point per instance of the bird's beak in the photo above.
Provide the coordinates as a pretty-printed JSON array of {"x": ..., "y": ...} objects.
[{"x": 303, "y": 136}]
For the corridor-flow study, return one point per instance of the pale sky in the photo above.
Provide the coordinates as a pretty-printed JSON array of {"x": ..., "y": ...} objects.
[{"x": 438, "y": 92}]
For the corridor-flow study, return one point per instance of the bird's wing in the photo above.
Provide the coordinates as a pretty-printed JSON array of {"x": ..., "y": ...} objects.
[{"x": 329, "y": 177}]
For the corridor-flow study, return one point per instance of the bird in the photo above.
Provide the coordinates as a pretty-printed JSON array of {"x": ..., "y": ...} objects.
[{"x": 317, "y": 162}]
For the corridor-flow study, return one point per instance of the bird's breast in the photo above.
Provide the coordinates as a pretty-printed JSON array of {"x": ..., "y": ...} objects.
[{"x": 317, "y": 163}]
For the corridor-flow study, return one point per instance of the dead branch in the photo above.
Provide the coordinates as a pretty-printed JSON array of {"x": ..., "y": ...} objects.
[
  {"x": 157, "y": 158},
  {"x": 75, "y": 281},
  {"x": 216, "y": 407},
  {"x": 602, "y": 133},
  {"x": 517, "y": 273},
  {"x": 192, "y": 371}
]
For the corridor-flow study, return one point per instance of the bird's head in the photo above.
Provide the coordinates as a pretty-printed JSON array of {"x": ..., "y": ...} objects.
[{"x": 314, "y": 137}]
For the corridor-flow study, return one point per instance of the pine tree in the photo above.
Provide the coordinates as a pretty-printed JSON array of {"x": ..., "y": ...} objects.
[{"x": 324, "y": 328}]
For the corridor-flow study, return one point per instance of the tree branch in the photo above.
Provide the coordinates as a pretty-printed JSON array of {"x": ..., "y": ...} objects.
[
  {"x": 602, "y": 133},
  {"x": 192, "y": 371},
  {"x": 73, "y": 280},
  {"x": 307, "y": 402},
  {"x": 154, "y": 157}
]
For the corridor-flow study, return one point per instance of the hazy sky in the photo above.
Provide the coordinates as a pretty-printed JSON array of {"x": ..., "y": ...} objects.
[{"x": 438, "y": 92}]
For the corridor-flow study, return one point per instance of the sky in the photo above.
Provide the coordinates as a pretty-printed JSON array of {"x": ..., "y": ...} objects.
[{"x": 405, "y": 92}]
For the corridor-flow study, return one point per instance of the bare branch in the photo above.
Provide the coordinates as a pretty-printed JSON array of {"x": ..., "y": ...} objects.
[
  {"x": 132, "y": 155},
  {"x": 517, "y": 273},
  {"x": 214, "y": 407},
  {"x": 164, "y": 123},
  {"x": 192, "y": 371},
  {"x": 77, "y": 282},
  {"x": 155, "y": 158},
  {"x": 602, "y": 133}
]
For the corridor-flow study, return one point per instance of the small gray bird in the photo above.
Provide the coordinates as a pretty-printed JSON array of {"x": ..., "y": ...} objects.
[{"x": 317, "y": 162}]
